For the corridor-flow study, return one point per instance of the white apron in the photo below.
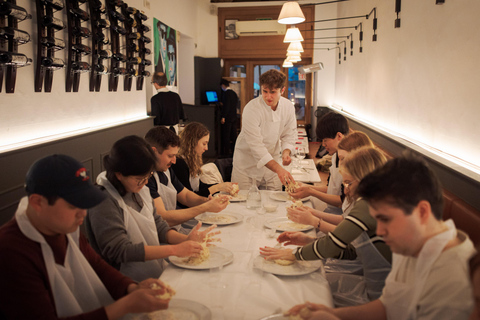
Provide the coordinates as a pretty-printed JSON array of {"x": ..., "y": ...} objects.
[
  {"x": 194, "y": 183},
  {"x": 76, "y": 288},
  {"x": 168, "y": 193},
  {"x": 401, "y": 298},
  {"x": 334, "y": 185},
  {"x": 141, "y": 228},
  {"x": 270, "y": 131},
  {"x": 348, "y": 287}
]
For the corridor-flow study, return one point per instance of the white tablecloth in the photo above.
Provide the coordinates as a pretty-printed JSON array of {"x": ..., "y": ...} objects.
[
  {"x": 302, "y": 132},
  {"x": 306, "y": 172},
  {"x": 245, "y": 289}
]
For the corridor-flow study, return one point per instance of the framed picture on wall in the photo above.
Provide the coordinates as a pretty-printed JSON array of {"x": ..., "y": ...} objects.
[{"x": 230, "y": 30}]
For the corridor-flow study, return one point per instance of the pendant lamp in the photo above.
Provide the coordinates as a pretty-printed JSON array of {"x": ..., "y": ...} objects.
[
  {"x": 293, "y": 34},
  {"x": 287, "y": 64},
  {"x": 291, "y": 13},
  {"x": 295, "y": 46}
]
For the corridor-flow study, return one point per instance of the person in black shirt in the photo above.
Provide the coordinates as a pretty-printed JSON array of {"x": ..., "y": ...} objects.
[
  {"x": 166, "y": 105},
  {"x": 228, "y": 120}
]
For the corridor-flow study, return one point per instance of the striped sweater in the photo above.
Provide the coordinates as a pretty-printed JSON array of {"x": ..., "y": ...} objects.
[{"x": 337, "y": 244}]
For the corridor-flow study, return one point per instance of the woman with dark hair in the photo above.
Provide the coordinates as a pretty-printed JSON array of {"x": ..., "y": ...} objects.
[
  {"x": 125, "y": 229},
  {"x": 188, "y": 168}
]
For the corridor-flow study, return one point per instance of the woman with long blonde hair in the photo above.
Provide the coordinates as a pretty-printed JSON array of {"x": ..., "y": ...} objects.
[{"x": 193, "y": 143}]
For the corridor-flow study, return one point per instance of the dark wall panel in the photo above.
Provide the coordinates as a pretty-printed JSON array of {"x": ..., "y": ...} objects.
[
  {"x": 209, "y": 116},
  {"x": 208, "y": 73},
  {"x": 87, "y": 148}
]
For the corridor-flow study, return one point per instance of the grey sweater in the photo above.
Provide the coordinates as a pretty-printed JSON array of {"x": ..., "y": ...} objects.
[{"x": 107, "y": 234}]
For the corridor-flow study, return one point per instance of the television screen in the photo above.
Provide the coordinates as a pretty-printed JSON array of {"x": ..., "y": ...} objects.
[{"x": 212, "y": 96}]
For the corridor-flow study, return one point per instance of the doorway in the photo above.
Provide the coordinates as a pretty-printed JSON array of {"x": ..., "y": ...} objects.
[{"x": 298, "y": 85}]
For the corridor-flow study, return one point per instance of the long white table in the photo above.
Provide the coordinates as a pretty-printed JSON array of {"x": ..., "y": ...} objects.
[
  {"x": 239, "y": 290},
  {"x": 306, "y": 171}
]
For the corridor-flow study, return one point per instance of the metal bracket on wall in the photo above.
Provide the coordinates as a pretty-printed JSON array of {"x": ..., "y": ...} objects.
[
  {"x": 75, "y": 65},
  {"x": 47, "y": 44},
  {"x": 3, "y": 47},
  {"x": 116, "y": 30},
  {"x": 10, "y": 15}
]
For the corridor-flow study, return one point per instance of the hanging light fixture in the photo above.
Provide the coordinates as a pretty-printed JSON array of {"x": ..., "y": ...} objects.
[
  {"x": 293, "y": 34},
  {"x": 287, "y": 64},
  {"x": 291, "y": 13},
  {"x": 295, "y": 46},
  {"x": 294, "y": 57}
]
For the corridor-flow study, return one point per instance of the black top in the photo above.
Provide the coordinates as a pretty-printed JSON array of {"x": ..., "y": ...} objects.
[
  {"x": 167, "y": 108},
  {"x": 152, "y": 183},
  {"x": 183, "y": 173},
  {"x": 229, "y": 108}
]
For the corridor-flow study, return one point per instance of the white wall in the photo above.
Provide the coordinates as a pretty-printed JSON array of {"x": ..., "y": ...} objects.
[
  {"x": 207, "y": 30},
  {"x": 325, "y": 77},
  {"x": 420, "y": 80},
  {"x": 28, "y": 115}
]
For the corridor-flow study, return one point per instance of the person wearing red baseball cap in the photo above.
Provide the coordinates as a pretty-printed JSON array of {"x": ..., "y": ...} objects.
[{"x": 48, "y": 269}]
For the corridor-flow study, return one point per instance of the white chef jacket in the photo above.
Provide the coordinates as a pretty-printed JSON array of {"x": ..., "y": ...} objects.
[{"x": 265, "y": 134}]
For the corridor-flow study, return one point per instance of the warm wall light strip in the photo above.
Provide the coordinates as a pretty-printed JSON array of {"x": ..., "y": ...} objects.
[
  {"x": 466, "y": 168},
  {"x": 63, "y": 135}
]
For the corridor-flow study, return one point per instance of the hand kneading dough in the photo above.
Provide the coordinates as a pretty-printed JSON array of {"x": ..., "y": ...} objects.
[
  {"x": 234, "y": 190},
  {"x": 204, "y": 255},
  {"x": 295, "y": 204},
  {"x": 291, "y": 187},
  {"x": 169, "y": 292},
  {"x": 284, "y": 262},
  {"x": 304, "y": 313}
]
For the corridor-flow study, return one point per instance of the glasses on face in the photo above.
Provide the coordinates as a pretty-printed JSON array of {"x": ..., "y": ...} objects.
[
  {"x": 144, "y": 180},
  {"x": 347, "y": 184}
]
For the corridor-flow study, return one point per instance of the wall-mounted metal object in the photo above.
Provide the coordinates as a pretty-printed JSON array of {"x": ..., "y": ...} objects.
[
  {"x": 10, "y": 39},
  {"x": 76, "y": 15}
]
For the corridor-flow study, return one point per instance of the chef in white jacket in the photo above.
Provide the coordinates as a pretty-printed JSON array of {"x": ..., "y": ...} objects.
[
  {"x": 429, "y": 277},
  {"x": 268, "y": 135}
]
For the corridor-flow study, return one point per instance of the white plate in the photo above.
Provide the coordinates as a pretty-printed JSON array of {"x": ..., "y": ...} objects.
[
  {"x": 241, "y": 196},
  {"x": 220, "y": 219},
  {"x": 218, "y": 257},
  {"x": 285, "y": 224},
  {"x": 181, "y": 309},
  {"x": 278, "y": 316},
  {"x": 297, "y": 269},
  {"x": 283, "y": 196}
]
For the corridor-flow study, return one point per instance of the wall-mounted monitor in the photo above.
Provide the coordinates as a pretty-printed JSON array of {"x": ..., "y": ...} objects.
[{"x": 211, "y": 96}]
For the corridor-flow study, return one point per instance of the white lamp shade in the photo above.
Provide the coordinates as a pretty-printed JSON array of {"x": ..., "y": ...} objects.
[
  {"x": 295, "y": 46},
  {"x": 287, "y": 64},
  {"x": 293, "y": 34},
  {"x": 293, "y": 54},
  {"x": 291, "y": 13},
  {"x": 295, "y": 58}
]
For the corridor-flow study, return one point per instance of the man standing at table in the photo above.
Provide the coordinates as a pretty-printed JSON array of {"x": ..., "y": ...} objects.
[
  {"x": 48, "y": 269},
  {"x": 429, "y": 277},
  {"x": 228, "y": 119},
  {"x": 165, "y": 188},
  {"x": 166, "y": 105},
  {"x": 268, "y": 135}
]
